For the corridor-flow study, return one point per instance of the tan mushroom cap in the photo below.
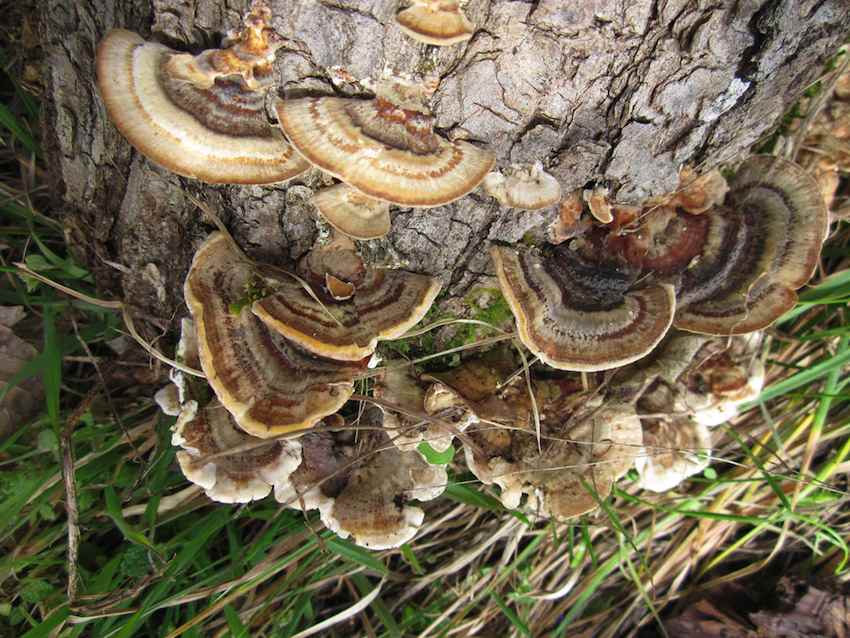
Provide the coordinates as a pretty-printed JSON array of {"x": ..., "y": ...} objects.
[
  {"x": 322, "y": 473},
  {"x": 580, "y": 316},
  {"x": 267, "y": 383},
  {"x": 759, "y": 250},
  {"x": 373, "y": 506},
  {"x": 698, "y": 194},
  {"x": 437, "y": 22},
  {"x": 217, "y": 133},
  {"x": 386, "y": 151},
  {"x": 353, "y": 213},
  {"x": 398, "y": 386},
  {"x": 599, "y": 204},
  {"x": 674, "y": 449},
  {"x": 576, "y": 466},
  {"x": 385, "y": 304},
  {"x": 245, "y": 474},
  {"x": 527, "y": 187}
]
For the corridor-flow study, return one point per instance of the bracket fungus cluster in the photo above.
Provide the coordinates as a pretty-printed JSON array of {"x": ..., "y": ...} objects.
[
  {"x": 704, "y": 261},
  {"x": 280, "y": 354},
  {"x": 690, "y": 384},
  {"x": 584, "y": 445},
  {"x": 644, "y": 289},
  {"x": 385, "y": 147}
]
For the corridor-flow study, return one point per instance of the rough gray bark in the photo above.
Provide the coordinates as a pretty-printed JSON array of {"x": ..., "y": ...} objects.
[{"x": 621, "y": 91}]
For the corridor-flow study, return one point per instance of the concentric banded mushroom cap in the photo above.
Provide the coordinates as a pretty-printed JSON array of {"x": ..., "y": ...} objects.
[
  {"x": 373, "y": 507},
  {"x": 386, "y": 151},
  {"x": 525, "y": 187},
  {"x": 266, "y": 382},
  {"x": 384, "y": 305},
  {"x": 576, "y": 315},
  {"x": 217, "y": 133},
  {"x": 674, "y": 449},
  {"x": 759, "y": 250},
  {"x": 246, "y": 473},
  {"x": 437, "y": 22},
  {"x": 353, "y": 213}
]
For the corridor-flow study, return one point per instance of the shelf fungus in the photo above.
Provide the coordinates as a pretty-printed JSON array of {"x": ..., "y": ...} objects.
[
  {"x": 269, "y": 384},
  {"x": 580, "y": 315},
  {"x": 353, "y": 213},
  {"x": 199, "y": 116},
  {"x": 437, "y": 22},
  {"x": 599, "y": 204},
  {"x": 760, "y": 248},
  {"x": 364, "y": 494},
  {"x": 584, "y": 446},
  {"x": 689, "y": 384},
  {"x": 698, "y": 194},
  {"x": 370, "y": 304},
  {"x": 415, "y": 414},
  {"x": 385, "y": 147},
  {"x": 231, "y": 466},
  {"x": 526, "y": 187},
  {"x": 374, "y": 506}
]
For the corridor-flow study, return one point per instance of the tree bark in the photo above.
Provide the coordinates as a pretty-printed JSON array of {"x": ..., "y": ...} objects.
[{"x": 616, "y": 91}]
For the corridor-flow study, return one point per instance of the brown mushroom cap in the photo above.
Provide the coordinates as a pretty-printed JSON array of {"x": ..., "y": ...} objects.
[
  {"x": 217, "y": 133},
  {"x": 245, "y": 474},
  {"x": 526, "y": 187},
  {"x": 674, "y": 449},
  {"x": 386, "y": 151},
  {"x": 321, "y": 475},
  {"x": 353, "y": 213},
  {"x": 363, "y": 494},
  {"x": 697, "y": 195},
  {"x": 267, "y": 383},
  {"x": 385, "y": 304},
  {"x": 437, "y": 22},
  {"x": 590, "y": 448},
  {"x": 759, "y": 250},
  {"x": 580, "y": 316},
  {"x": 373, "y": 506},
  {"x": 599, "y": 204}
]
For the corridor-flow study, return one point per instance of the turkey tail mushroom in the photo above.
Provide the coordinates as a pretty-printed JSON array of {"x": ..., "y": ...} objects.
[
  {"x": 267, "y": 383},
  {"x": 762, "y": 247},
  {"x": 438, "y": 22},
  {"x": 199, "y": 116},
  {"x": 581, "y": 316},
  {"x": 385, "y": 147}
]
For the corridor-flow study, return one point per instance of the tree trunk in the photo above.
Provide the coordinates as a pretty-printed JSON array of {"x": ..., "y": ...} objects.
[{"x": 617, "y": 91}]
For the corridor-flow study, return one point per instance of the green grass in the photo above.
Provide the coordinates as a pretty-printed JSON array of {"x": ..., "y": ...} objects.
[{"x": 777, "y": 485}]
